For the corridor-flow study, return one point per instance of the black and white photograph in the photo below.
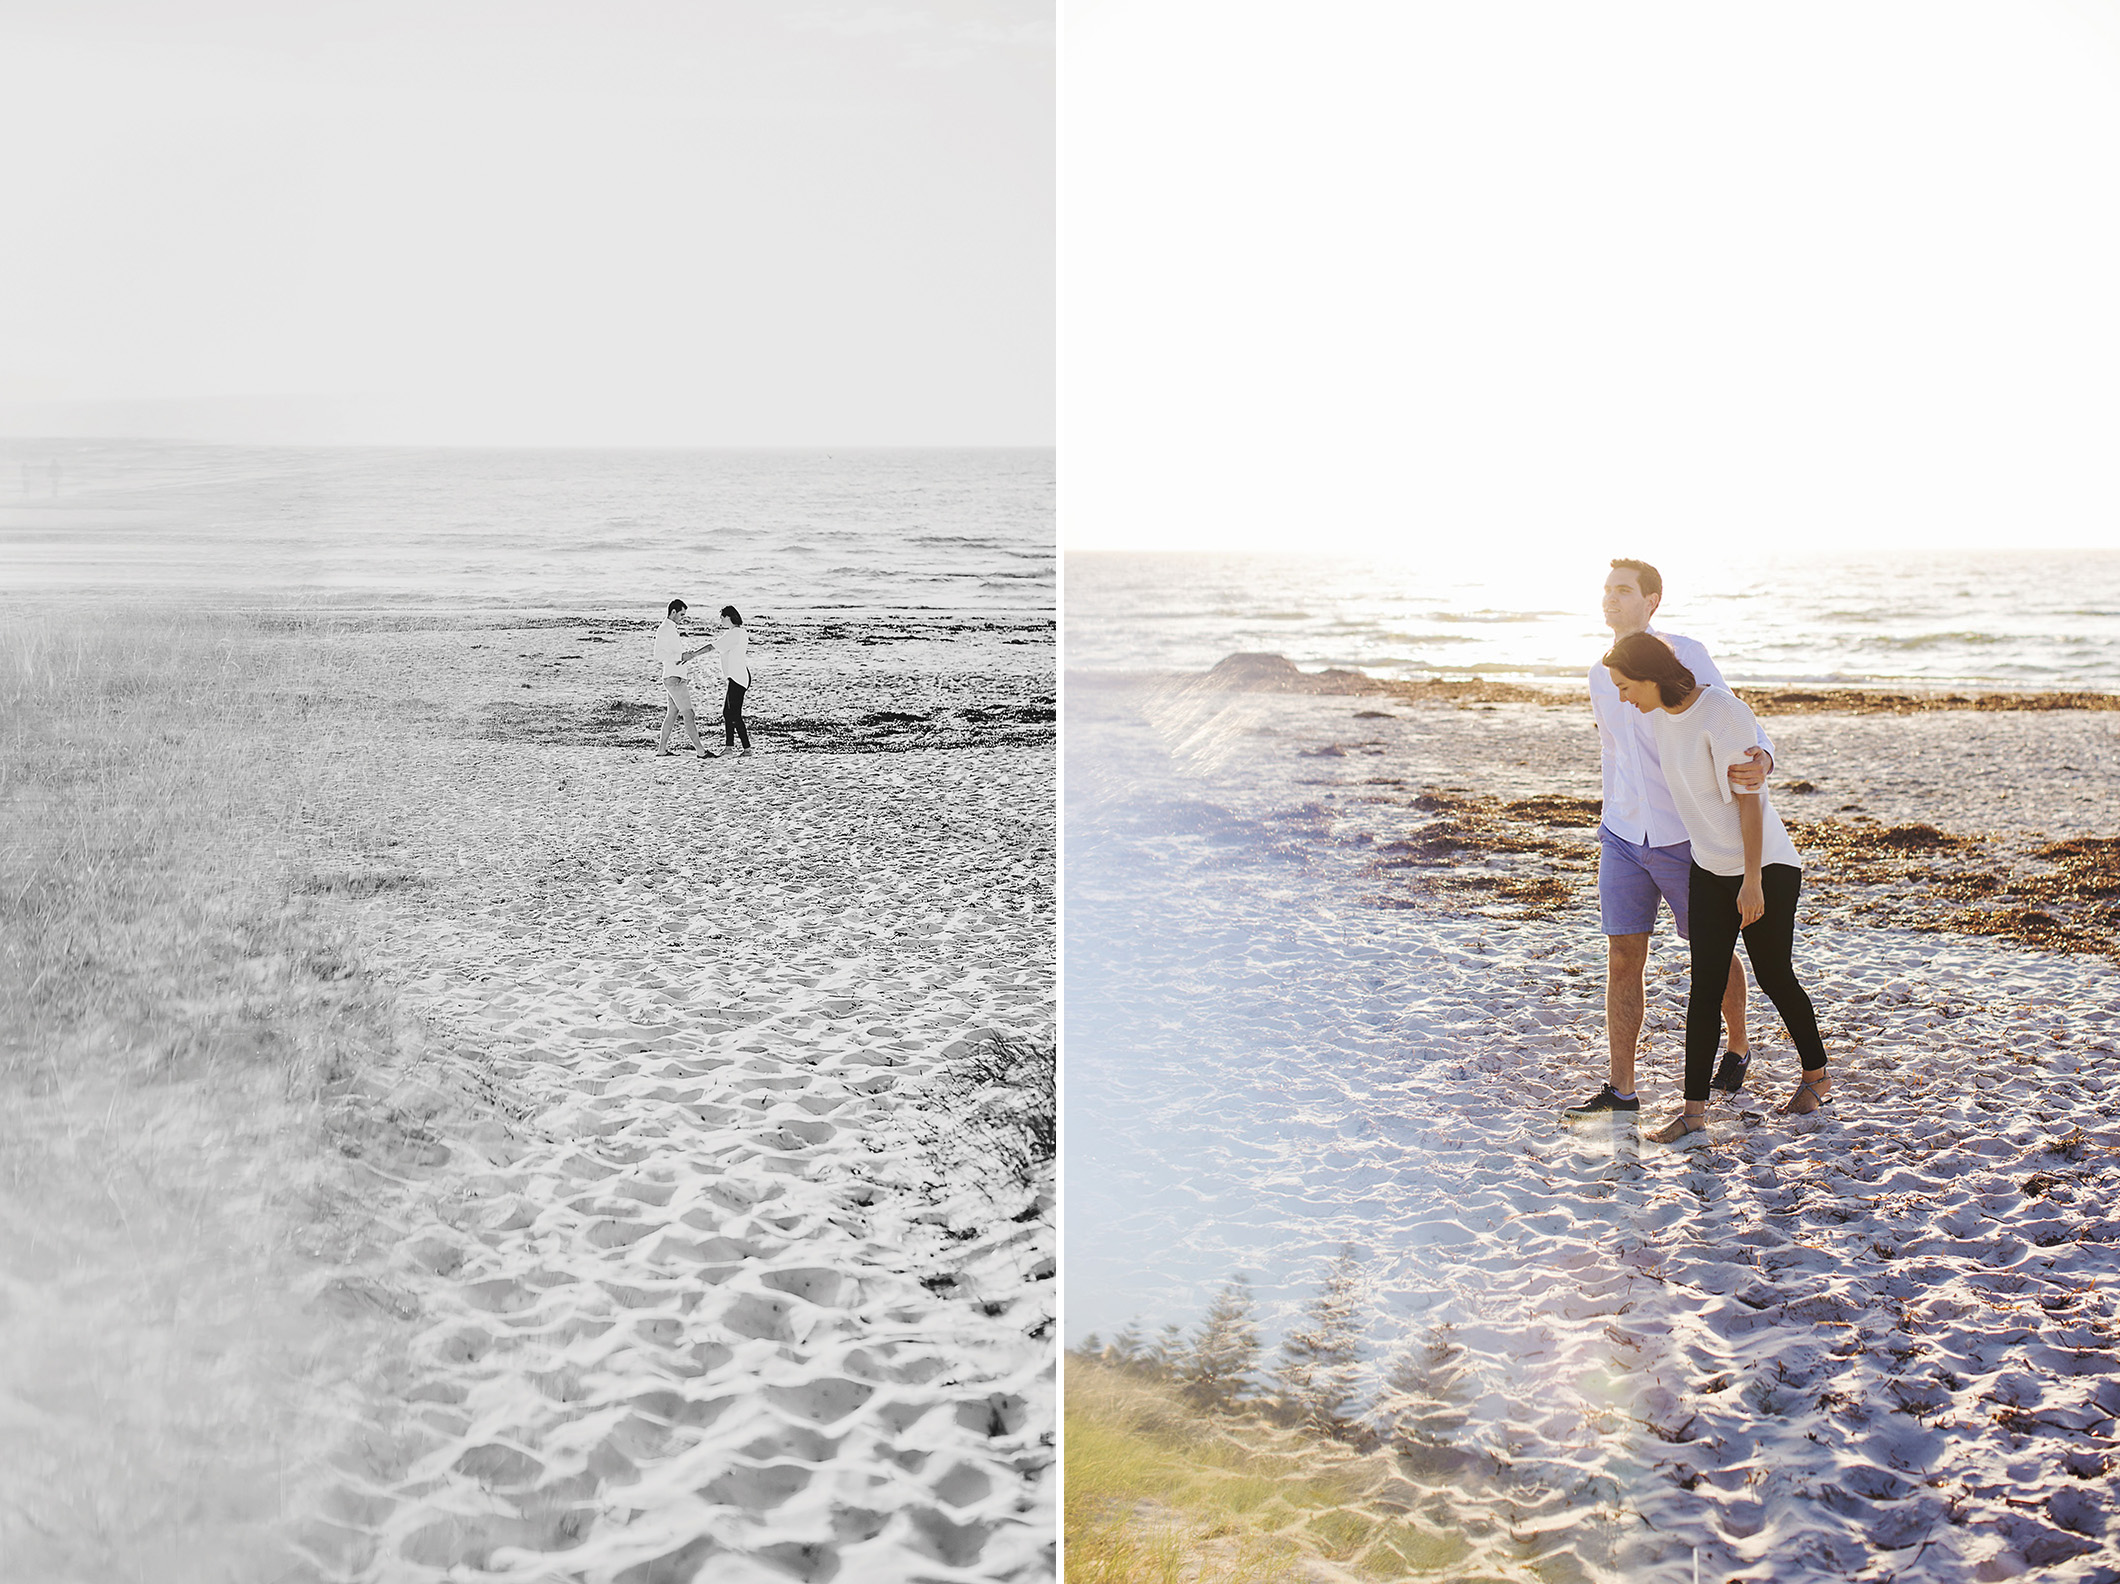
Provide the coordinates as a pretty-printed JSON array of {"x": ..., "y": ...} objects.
[{"x": 528, "y": 714}]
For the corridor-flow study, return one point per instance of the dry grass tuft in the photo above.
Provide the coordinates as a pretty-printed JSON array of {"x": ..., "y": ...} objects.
[{"x": 1007, "y": 1094}]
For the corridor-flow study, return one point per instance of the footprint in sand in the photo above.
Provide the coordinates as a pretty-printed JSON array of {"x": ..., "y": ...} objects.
[{"x": 692, "y": 1323}]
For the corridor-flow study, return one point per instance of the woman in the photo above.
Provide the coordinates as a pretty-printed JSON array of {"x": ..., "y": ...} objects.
[
  {"x": 1745, "y": 873},
  {"x": 734, "y": 646}
]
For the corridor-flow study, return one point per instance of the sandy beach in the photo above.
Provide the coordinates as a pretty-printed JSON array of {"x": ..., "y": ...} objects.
[
  {"x": 1334, "y": 970},
  {"x": 681, "y": 1211}
]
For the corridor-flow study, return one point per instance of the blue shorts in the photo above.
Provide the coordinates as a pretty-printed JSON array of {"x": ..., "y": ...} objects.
[{"x": 1631, "y": 876}]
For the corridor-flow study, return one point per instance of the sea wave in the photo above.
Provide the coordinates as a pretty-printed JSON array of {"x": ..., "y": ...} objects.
[
  {"x": 1493, "y": 618},
  {"x": 1935, "y": 640},
  {"x": 565, "y": 528}
]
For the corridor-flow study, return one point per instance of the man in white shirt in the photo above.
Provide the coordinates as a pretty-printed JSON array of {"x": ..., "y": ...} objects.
[
  {"x": 1643, "y": 854},
  {"x": 672, "y": 655}
]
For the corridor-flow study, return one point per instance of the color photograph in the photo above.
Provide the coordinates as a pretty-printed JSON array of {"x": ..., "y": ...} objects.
[{"x": 1591, "y": 708}]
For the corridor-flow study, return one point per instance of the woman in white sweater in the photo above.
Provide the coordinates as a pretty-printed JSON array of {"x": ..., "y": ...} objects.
[
  {"x": 1745, "y": 874},
  {"x": 734, "y": 646}
]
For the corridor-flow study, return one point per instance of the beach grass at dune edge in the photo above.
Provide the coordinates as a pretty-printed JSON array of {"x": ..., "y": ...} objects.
[
  {"x": 187, "y": 1041},
  {"x": 1160, "y": 1490}
]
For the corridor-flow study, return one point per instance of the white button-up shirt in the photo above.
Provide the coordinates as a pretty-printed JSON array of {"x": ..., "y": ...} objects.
[
  {"x": 1638, "y": 805},
  {"x": 670, "y": 649},
  {"x": 733, "y": 646}
]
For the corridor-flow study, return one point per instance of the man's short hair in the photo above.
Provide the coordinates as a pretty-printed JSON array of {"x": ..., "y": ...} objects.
[
  {"x": 1651, "y": 580},
  {"x": 677, "y": 607}
]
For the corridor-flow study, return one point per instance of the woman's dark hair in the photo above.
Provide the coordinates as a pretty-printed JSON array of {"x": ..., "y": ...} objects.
[
  {"x": 677, "y": 608},
  {"x": 733, "y": 614},
  {"x": 1646, "y": 659}
]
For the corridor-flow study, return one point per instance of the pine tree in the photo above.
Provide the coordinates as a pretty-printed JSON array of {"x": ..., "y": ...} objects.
[
  {"x": 1124, "y": 1350},
  {"x": 1225, "y": 1349},
  {"x": 1424, "y": 1396},
  {"x": 1166, "y": 1355},
  {"x": 1319, "y": 1359}
]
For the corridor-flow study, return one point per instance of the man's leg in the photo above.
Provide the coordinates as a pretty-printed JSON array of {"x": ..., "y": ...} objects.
[
  {"x": 662, "y": 743},
  {"x": 1733, "y": 1006},
  {"x": 1627, "y": 900},
  {"x": 1626, "y": 962},
  {"x": 681, "y": 693}
]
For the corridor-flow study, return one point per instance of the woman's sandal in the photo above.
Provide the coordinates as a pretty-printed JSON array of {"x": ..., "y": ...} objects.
[
  {"x": 1823, "y": 1100},
  {"x": 1678, "y": 1130}
]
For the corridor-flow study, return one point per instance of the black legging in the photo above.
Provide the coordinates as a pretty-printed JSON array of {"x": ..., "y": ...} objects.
[
  {"x": 732, "y": 726},
  {"x": 1711, "y": 900}
]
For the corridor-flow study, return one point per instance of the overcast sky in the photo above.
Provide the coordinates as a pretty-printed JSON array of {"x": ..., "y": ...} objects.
[
  {"x": 1493, "y": 275},
  {"x": 637, "y": 221}
]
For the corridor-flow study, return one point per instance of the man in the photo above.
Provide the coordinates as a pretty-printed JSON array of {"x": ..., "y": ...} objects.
[
  {"x": 671, "y": 653},
  {"x": 1642, "y": 851}
]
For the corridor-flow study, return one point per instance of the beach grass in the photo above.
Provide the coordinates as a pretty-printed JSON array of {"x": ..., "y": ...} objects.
[
  {"x": 147, "y": 825},
  {"x": 181, "y": 1002},
  {"x": 1001, "y": 1101},
  {"x": 1159, "y": 1491}
]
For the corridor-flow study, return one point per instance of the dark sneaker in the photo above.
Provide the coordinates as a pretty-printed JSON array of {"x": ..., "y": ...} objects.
[
  {"x": 1604, "y": 1103},
  {"x": 1730, "y": 1076}
]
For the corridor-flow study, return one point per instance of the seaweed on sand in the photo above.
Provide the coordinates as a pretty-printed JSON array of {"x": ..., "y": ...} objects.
[
  {"x": 2061, "y": 896},
  {"x": 1469, "y": 830}
]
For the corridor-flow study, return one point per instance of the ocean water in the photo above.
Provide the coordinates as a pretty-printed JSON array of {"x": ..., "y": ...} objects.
[
  {"x": 965, "y": 531},
  {"x": 2012, "y": 619}
]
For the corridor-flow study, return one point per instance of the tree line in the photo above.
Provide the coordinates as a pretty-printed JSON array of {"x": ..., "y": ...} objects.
[{"x": 1316, "y": 1380}]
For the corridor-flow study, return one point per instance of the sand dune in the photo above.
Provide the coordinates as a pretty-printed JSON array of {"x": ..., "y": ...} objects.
[{"x": 704, "y": 1275}]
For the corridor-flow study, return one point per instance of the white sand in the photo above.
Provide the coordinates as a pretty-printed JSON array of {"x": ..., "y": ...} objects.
[
  {"x": 1846, "y": 1347},
  {"x": 701, "y": 1278}
]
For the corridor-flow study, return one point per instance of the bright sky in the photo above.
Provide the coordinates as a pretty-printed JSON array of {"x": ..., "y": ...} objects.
[
  {"x": 633, "y": 221},
  {"x": 1518, "y": 276}
]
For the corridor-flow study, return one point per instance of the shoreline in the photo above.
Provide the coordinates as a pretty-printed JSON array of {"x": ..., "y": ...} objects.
[
  {"x": 2042, "y": 873},
  {"x": 1275, "y": 673}
]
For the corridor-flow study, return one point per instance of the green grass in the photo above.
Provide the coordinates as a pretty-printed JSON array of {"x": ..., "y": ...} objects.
[{"x": 1158, "y": 1492}]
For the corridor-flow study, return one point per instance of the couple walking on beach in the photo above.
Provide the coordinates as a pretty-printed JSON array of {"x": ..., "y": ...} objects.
[
  {"x": 1687, "y": 819},
  {"x": 732, "y": 644}
]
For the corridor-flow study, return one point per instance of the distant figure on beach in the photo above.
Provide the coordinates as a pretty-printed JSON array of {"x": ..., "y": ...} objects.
[
  {"x": 1642, "y": 850},
  {"x": 672, "y": 654},
  {"x": 1744, "y": 873},
  {"x": 734, "y": 646}
]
